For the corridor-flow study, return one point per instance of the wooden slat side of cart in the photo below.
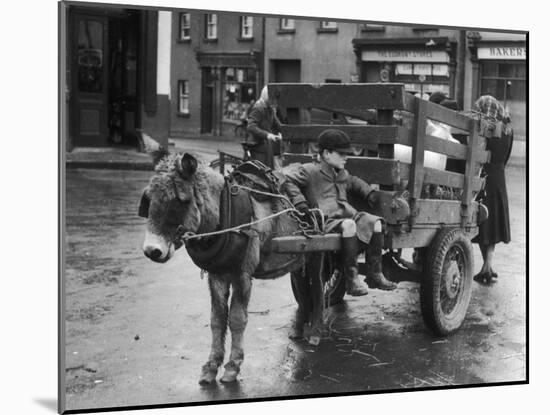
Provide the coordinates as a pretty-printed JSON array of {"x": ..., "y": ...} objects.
[{"x": 390, "y": 101}]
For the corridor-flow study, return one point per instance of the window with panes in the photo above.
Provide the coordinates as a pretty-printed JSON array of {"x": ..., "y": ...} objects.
[
  {"x": 185, "y": 26},
  {"x": 246, "y": 27},
  {"x": 325, "y": 24},
  {"x": 506, "y": 81},
  {"x": 211, "y": 26},
  {"x": 287, "y": 24},
  {"x": 183, "y": 97}
]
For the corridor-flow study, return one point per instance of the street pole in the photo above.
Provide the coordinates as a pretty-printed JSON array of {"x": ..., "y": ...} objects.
[{"x": 460, "y": 70}]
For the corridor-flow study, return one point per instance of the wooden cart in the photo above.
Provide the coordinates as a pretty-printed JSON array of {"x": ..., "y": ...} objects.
[{"x": 439, "y": 230}]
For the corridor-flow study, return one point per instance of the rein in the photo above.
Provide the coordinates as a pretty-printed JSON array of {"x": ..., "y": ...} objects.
[
  {"x": 187, "y": 236},
  {"x": 289, "y": 202}
]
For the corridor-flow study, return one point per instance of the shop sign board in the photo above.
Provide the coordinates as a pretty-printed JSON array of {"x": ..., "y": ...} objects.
[
  {"x": 502, "y": 52},
  {"x": 397, "y": 55}
]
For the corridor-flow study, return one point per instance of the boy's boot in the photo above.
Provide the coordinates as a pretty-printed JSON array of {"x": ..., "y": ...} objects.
[
  {"x": 354, "y": 285},
  {"x": 375, "y": 278}
]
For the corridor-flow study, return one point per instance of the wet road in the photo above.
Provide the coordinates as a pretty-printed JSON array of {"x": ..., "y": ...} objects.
[{"x": 138, "y": 332}]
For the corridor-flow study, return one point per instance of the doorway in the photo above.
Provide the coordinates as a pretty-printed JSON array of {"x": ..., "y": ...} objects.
[
  {"x": 286, "y": 71},
  {"x": 103, "y": 105},
  {"x": 207, "y": 101}
]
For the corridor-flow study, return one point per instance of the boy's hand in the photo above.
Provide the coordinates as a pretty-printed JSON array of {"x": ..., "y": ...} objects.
[{"x": 302, "y": 207}]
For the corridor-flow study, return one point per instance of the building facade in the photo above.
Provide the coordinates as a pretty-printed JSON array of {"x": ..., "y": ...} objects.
[
  {"x": 425, "y": 58},
  {"x": 497, "y": 66},
  {"x": 115, "y": 69},
  {"x": 217, "y": 70},
  {"x": 185, "y": 73},
  {"x": 463, "y": 64},
  {"x": 311, "y": 51}
]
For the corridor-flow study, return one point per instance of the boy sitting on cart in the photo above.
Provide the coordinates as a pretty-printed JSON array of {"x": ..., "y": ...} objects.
[{"x": 325, "y": 185}]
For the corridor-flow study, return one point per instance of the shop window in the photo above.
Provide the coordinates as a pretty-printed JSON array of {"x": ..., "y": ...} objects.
[
  {"x": 287, "y": 26},
  {"x": 239, "y": 86},
  {"x": 246, "y": 27},
  {"x": 489, "y": 69},
  {"x": 183, "y": 97},
  {"x": 211, "y": 26},
  {"x": 504, "y": 89},
  {"x": 185, "y": 26},
  {"x": 426, "y": 69},
  {"x": 420, "y": 79},
  {"x": 504, "y": 81},
  {"x": 511, "y": 70}
]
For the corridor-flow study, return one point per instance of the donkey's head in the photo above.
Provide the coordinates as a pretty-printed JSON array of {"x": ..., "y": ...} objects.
[{"x": 173, "y": 204}]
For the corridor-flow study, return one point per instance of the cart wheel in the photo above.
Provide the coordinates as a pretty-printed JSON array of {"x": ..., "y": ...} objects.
[
  {"x": 446, "y": 285},
  {"x": 334, "y": 287}
]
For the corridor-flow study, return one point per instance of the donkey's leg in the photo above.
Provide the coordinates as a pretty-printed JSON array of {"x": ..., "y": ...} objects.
[
  {"x": 219, "y": 295},
  {"x": 315, "y": 273},
  {"x": 238, "y": 312},
  {"x": 238, "y": 318}
]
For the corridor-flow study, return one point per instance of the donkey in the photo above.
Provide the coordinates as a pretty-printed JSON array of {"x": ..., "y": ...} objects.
[{"x": 184, "y": 196}]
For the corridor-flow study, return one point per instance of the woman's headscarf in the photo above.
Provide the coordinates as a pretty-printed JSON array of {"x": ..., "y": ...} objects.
[
  {"x": 492, "y": 109},
  {"x": 264, "y": 96}
]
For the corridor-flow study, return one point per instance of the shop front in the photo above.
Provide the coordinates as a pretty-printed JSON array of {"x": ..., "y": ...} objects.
[
  {"x": 110, "y": 72},
  {"x": 422, "y": 65},
  {"x": 499, "y": 67},
  {"x": 230, "y": 85}
]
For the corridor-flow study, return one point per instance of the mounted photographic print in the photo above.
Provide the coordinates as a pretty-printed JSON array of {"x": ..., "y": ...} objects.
[{"x": 262, "y": 207}]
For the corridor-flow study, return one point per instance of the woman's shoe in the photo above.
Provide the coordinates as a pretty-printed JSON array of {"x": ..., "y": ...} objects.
[
  {"x": 486, "y": 278},
  {"x": 481, "y": 277}
]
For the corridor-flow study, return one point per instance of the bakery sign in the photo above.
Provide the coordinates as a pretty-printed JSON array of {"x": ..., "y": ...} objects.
[{"x": 502, "y": 52}]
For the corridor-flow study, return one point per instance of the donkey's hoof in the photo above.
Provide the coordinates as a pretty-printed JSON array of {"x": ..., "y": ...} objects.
[
  {"x": 315, "y": 334},
  {"x": 314, "y": 340},
  {"x": 230, "y": 373},
  {"x": 296, "y": 333},
  {"x": 208, "y": 373}
]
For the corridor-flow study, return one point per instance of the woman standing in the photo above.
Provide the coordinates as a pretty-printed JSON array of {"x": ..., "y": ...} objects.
[{"x": 497, "y": 226}]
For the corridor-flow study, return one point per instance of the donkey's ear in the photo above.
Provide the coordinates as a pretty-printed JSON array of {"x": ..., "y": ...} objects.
[
  {"x": 144, "y": 206},
  {"x": 187, "y": 166},
  {"x": 148, "y": 145}
]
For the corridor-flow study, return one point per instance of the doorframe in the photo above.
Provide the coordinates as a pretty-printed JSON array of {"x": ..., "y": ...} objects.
[
  {"x": 75, "y": 16},
  {"x": 69, "y": 15},
  {"x": 208, "y": 89}
]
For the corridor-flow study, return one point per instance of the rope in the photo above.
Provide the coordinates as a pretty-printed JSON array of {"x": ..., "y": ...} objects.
[
  {"x": 286, "y": 199},
  {"x": 250, "y": 189},
  {"x": 322, "y": 216},
  {"x": 189, "y": 235}
]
